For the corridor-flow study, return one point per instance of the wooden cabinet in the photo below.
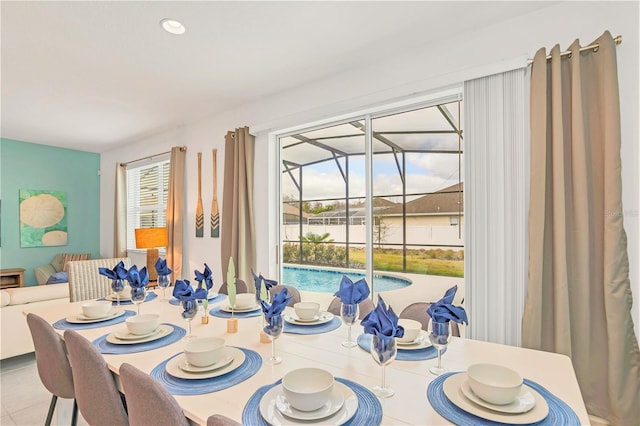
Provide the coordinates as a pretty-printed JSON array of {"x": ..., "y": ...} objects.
[{"x": 12, "y": 277}]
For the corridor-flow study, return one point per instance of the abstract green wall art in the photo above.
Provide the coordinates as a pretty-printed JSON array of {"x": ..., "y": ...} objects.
[{"x": 43, "y": 218}]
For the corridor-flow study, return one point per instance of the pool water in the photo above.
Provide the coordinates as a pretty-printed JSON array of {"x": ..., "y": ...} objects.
[{"x": 328, "y": 281}]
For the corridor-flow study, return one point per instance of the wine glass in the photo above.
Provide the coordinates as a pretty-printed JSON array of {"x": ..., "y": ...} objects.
[
  {"x": 439, "y": 335},
  {"x": 349, "y": 314},
  {"x": 190, "y": 308},
  {"x": 117, "y": 286},
  {"x": 273, "y": 330},
  {"x": 383, "y": 350},
  {"x": 137, "y": 296},
  {"x": 163, "y": 283}
]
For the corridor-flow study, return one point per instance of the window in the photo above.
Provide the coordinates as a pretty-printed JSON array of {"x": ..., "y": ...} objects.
[{"x": 147, "y": 191}]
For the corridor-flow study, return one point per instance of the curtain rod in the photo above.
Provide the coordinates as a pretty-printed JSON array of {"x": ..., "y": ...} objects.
[
  {"x": 149, "y": 157},
  {"x": 617, "y": 40}
]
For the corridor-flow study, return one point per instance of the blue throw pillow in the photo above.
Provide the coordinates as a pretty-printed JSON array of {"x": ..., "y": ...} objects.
[{"x": 58, "y": 278}]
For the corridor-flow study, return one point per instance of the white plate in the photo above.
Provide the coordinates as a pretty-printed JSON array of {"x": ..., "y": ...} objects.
[
  {"x": 420, "y": 343},
  {"x": 162, "y": 331},
  {"x": 229, "y": 309},
  {"x": 323, "y": 318},
  {"x": 335, "y": 402},
  {"x": 173, "y": 366},
  {"x": 524, "y": 402},
  {"x": 81, "y": 319},
  {"x": 223, "y": 362},
  {"x": 125, "y": 334},
  {"x": 452, "y": 389},
  {"x": 273, "y": 416},
  {"x": 114, "y": 298}
]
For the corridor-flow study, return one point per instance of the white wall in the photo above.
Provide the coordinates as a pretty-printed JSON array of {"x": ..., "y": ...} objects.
[{"x": 434, "y": 66}]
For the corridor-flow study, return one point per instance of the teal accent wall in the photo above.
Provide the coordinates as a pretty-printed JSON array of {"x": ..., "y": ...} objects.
[{"x": 26, "y": 165}]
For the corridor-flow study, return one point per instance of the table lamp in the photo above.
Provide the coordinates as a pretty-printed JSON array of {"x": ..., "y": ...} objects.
[{"x": 151, "y": 239}]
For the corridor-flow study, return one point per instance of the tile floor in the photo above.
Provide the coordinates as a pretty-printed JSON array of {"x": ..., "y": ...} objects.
[{"x": 24, "y": 401}]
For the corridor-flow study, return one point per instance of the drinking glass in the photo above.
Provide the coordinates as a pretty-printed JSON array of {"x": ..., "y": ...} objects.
[
  {"x": 163, "y": 283},
  {"x": 273, "y": 330},
  {"x": 349, "y": 314},
  {"x": 439, "y": 335},
  {"x": 117, "y": 286},
  {"x": 190, "y": 308},
  {"x": 383, "y": 351},
  {"x": 137, "y": 296}
]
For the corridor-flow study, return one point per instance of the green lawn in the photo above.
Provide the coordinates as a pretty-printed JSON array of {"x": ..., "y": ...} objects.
[{"x": 417, "y": 263}]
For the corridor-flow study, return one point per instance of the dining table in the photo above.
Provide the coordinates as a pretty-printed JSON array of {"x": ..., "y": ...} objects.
[{"x": 416, "y": 393}]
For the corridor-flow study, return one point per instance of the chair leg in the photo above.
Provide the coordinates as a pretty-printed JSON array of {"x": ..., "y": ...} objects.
[
  {"x": 52, "y": 407},
  {"x": 74, "y": 416}
]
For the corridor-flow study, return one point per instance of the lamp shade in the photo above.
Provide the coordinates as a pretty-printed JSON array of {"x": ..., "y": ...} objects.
[{"x": 151, "y": 237}]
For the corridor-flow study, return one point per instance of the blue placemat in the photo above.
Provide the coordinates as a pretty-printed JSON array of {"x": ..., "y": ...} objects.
[
  {"x": 559, "y": 412},
  {"x": 109, "y": 348},
  {"x": 219, "y": 298},
  {"x": 312, "y": 329},
  {"x": 63, "y": 324},
  {"x": 369, "y": 410},
  {"x": 364, "y": 341},
  {"x": 178, "y": 386},
  {"x": 217, "y": 312},
  {"x": 150, "y": 296}
]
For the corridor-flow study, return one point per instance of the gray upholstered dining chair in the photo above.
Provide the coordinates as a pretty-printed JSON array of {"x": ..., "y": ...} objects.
[
  {"x": 241, "y": 287},
  {"x": 365, "y": 307},
  {"x": 52, "y": 363},
  {"x": 98, "y": 399},
  {"x": 149, "y": 403},
  {"x": 85, "y": 281},
  {"x": 418, "y": 311},
  {"x": 291, "y": 291}
]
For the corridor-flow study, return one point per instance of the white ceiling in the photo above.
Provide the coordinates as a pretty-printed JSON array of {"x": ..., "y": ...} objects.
[{"x": 94, "y": 75}]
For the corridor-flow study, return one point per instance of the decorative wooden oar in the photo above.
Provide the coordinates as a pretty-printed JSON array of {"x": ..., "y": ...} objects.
[
  {"x": 199, "y": 213},
  {"x": 215, "y": 214}
]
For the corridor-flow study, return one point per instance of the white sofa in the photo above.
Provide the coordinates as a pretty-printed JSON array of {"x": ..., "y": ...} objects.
[{"x": 15, "y": 338}]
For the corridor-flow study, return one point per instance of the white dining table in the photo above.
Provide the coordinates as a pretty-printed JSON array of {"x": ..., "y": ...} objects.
[{"x": 409, "y": 379}]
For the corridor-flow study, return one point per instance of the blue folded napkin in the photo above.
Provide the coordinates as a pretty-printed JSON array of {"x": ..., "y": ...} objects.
[
  {"x": 161, "y": 267},
  {"x": 352, "y": 293},
  {"x": 382, "y": 321},
  {"x": 138, "y": 279},
  {"x": 119, "y": 272},
  {"x": 280, "y": 301},
  {"x": 444, "y": 311},
  {"x": 184, "y": 292},
  {"x": 205, "y": 276},
  {"x": 258, "y": 279}
]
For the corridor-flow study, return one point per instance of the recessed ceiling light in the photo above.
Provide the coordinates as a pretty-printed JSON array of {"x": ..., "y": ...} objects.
[{"x": 172, "y": 26}]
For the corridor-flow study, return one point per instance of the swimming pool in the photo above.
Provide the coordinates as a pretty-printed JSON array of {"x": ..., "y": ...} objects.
[{"x": 328, "y": 281}]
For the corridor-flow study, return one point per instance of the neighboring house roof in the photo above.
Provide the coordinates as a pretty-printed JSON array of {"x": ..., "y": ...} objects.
[
  {"x": 358, "y": 210},
  {"x": 446, "y": 200},
  {"x": 290, "y": 210}
]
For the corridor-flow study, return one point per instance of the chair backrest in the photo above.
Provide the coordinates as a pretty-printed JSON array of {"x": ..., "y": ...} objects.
[
  {"x": 51, "y": 358},
  {"x": 241, "y": 287},
  {"x": 96, "y": 394},
  {"x": 220, "y": 420},
  {"x": 148, "y": 402},
  {"x": 364, "y": 307},
  {"x": 85, "y": 281},
  {"x": 291, "y": 291},
  {"x": 418, "y": 311}
]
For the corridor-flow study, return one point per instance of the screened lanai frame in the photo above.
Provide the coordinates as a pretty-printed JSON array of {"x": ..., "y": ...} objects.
[{"x": 341, "y": 140}]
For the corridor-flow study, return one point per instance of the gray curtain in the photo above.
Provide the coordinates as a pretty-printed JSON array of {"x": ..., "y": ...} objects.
[
  {"x": 175, "y": 210},
  {"x": 120, "y": 216},
  {"x": 237, "y": 227},
  {"x": 579, "y": 297}
]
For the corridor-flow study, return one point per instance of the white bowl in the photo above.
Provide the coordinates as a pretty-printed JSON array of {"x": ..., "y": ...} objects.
[
  {"x": 307, "y": 389},
  {"x": 307, "y": 310},
  {"x": 494, "y": 383},
  {"x": 203, "y": 351},
  {"x": 412, "y": 329},
  {"x": 96, "y": 308},
  {"x": 245, "y": 300},
  {"x": 142, "y": 324}
]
